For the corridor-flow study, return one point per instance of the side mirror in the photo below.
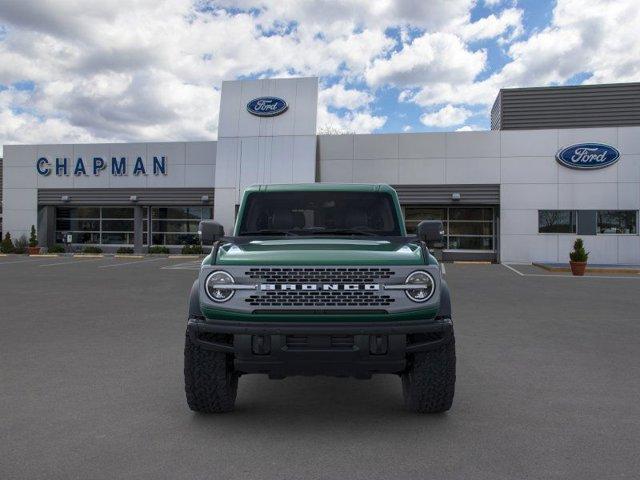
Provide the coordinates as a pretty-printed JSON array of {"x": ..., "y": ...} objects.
[
  {"x": 210, "y": 232},
  {"x": 431, "y": 232}
]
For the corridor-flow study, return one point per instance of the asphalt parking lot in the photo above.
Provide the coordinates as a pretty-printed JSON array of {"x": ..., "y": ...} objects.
[{"x": 91, "y": 385}]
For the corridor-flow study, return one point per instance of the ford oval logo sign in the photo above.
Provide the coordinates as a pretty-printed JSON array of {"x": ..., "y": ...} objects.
[
  {"x": 588, "y": 156},
  {"x": 267, "y": 106}
]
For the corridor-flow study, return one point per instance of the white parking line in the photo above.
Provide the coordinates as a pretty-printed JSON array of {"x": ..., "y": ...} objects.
[
  {"x": 548, "y": 275},
  {"x": 130, "y": 263},
  {"x": 73, "y": 262},
  {"x": 513, "y": 269}
]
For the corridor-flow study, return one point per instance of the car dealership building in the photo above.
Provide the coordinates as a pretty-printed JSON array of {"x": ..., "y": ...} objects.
[{"x": 559, "y": 162}]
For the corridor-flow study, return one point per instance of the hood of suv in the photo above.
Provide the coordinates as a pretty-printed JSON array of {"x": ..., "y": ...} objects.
[{"x": 320, "y": 251}]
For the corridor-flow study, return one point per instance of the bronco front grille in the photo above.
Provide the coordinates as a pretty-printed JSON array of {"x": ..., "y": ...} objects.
[
  {"x": 319, "y": 298},
  {"x": 319, "y": 274}
]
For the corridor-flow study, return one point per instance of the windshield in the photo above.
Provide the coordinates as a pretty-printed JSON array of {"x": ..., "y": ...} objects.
[{"x": 320, "y": 213}]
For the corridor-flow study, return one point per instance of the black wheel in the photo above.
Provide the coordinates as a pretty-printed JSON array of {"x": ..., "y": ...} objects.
[
  {"x": 428, "y": 383},
  {"x": 210, "y": 382}
]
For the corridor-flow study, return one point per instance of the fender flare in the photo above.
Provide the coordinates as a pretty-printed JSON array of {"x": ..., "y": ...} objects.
[
  {"x": 445, "y": 301},
  {"x": 194, "y": 301}
]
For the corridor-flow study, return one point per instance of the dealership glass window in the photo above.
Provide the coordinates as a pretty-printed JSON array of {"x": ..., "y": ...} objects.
[
  {"x": 413, "y": 215},
  {"x": 556, "y": 221},
  {"x": 95, "y": 225},
  {"x": 618, "y": 222},
  {"x": 176, "y": 225},
  {"x": 466, "y": 228}
]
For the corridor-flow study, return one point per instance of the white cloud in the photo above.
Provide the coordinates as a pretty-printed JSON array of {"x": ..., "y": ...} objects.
[
  {"x": 326, "y": 14},
  {"x": 357, "y": 119},
  {"x": 447, "y": 116},
  {"x": 596, "y": 38},
  {"x": 358, "y": 122},
  {"x": 340, "y": 97},
  {"x": 151, "y": 70},
  {"x": 407, "y": 128},
  {"x": 469, "y": 128},
  {"x": 509, "y": 22},
  {"x": 441, "y": 57}
]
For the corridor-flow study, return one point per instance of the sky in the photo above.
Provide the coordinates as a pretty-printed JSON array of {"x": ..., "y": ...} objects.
[{"x": 77, "y": 71}]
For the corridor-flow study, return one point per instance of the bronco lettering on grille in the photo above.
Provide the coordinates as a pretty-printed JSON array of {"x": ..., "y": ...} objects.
[{"x": 322, "y": 286}]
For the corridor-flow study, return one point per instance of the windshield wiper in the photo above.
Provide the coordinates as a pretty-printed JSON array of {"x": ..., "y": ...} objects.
[{"x": 266, "y": 231}]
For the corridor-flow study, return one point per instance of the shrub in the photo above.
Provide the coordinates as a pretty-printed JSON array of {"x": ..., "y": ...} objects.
[
  {"x": 57, "y": 248},
  {"x": 20, "y": 245},
  {"x": 158, "y": 249},
  {"x": 192, "y": 249},
  {"x": 125, "y": 250},
  {"x": 33, "y": 238},
  {"x": 579, "y": 254},
  {"x": 7, "y": 245},
  {"x": 91, "y": 249}
]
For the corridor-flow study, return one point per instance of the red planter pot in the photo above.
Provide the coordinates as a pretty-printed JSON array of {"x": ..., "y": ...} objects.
[
  {"x": 33, "y": 250},
  {"x": 578, "y": 268}
]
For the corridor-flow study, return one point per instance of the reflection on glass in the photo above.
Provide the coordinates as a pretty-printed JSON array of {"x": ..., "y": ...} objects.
[
  {"x": 556, "y": 221},
  {"x": 618, "y": 221}
]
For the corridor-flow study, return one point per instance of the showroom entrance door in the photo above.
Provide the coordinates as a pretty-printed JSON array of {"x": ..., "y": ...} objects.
[{"x": 471, "y": 231}]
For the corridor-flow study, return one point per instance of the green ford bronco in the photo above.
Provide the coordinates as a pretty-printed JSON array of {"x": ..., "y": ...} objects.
[{"x": 320, "y": 279}]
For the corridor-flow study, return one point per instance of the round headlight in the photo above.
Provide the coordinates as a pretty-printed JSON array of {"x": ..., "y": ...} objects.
[
  {"x": 215, "y": 286},
  {"x": 425, "y": 286}
]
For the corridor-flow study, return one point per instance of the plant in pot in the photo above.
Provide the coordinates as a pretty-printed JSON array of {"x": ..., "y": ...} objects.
[
  {"x": 33, "y": 249},
  {"x": 578, "y": 258}
]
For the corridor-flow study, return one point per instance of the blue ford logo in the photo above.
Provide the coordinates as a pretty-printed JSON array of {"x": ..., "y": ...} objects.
[
  {"x": 588, "y": 156},
  {"x": 267, "y": 106}
]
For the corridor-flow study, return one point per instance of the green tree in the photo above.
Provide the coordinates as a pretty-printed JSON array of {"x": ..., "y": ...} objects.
[
  {"x": 579, "y": 254},
  {"x": 7, "y": 244},
  {"x": 33, "y": 237}
]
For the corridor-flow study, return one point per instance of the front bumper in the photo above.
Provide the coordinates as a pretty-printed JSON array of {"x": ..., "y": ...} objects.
[{"x": 338, "y": 349}]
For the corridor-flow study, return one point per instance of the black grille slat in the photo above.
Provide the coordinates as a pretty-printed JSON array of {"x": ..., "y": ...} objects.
[{"x": 319, "y": 275}]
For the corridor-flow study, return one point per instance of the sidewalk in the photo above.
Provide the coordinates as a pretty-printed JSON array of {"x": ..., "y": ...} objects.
[{"x": 591, "y": 268}]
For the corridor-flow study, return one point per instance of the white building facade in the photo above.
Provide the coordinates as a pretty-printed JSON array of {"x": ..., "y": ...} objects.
[{"x": 502, "y": 194}]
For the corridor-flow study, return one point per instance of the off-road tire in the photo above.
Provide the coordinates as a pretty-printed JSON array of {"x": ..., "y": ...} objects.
[
  {"x": 210, "y": 382},
  {"x": 428, "y": 383}
]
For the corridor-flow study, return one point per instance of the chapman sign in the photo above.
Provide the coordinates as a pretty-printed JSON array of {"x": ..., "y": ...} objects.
[
  {"x": 118, "y": 166},
  {"x": 588, "y": 156},
  {"x": 267, "y": 106}
]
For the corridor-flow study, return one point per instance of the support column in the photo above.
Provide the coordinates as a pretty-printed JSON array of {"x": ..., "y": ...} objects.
[
  {"x": 46, "y": 227},
  {"x": 138, "y": 217}
]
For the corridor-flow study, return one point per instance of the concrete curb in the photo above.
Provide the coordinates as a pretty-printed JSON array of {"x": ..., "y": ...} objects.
[
  {"x": 88, "y": 255},
  {"x": 607, "y": 270}
]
